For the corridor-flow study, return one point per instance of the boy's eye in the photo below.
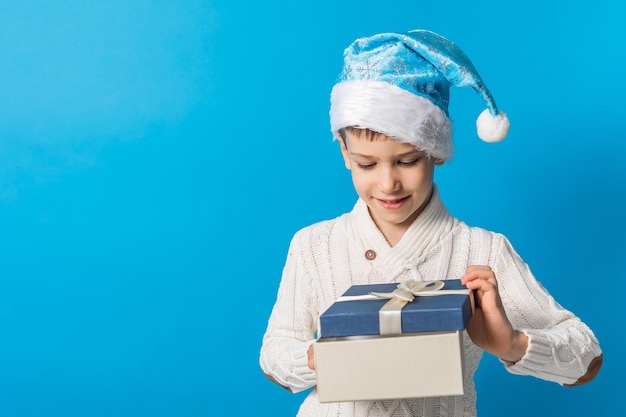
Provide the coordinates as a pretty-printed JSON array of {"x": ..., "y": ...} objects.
[
  {"x": 366, "y": 166},
  {"x": 408, "y": 163}
]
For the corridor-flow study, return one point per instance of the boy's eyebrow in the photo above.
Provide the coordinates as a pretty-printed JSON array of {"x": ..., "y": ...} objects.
[{"x": 416, "y": 152}]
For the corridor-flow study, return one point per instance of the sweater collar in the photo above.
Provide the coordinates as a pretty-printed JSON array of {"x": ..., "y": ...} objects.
[{"x": 423, "y": 233}]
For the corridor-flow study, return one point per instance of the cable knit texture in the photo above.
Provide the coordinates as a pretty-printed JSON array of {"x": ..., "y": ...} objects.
[{"x": 326, "y": 258}]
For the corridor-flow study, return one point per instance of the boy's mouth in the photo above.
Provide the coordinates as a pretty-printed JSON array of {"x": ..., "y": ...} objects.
[{"x": 392, "y": 204}]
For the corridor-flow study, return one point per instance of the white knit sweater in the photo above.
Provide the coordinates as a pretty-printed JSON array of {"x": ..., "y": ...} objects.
[{"x": 326, "y": 258}]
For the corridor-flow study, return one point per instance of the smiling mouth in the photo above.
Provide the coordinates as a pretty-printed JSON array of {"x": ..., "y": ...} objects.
[{"x": 392, "y": 204}]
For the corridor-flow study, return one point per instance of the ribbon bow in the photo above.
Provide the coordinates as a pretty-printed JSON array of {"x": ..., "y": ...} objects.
[
  {"x": 407, "y": 290},
  {"x": 390, "y": 315}
]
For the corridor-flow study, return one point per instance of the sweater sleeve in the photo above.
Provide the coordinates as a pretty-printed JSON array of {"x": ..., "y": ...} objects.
[
  {"x": 561, "y": 348},
  {"x": 292, "y": 324}
]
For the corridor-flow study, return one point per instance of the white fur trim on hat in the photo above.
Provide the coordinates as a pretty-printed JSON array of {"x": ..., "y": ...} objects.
[
  {"x": 388, "y": 109},
  {"x": 492, "y": 128}
]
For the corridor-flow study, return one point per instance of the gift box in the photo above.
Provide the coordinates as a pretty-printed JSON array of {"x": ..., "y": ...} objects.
[
  {"x": 388, "y": 341},
  {"x": 357, "y": 313},
  {"x": 389, "y": 367}
]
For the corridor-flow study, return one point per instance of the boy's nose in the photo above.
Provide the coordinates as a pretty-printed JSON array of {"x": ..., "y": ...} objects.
[{"x": 388, "y": 181}]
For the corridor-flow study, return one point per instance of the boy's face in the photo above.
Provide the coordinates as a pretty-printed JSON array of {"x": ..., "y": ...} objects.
[{"x": 394, "y": 179}]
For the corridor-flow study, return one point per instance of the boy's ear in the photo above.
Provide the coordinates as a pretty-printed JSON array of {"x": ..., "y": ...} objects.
[
  {"x": 439, "y": 162},
  {"x": 345, "y": 153}
]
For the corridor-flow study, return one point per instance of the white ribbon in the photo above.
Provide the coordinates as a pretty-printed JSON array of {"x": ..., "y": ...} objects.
[{"x": 390, "y": 314}]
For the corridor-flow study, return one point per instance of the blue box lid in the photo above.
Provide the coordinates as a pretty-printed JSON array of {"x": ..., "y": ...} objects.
[{"x": 440, "y": 313}]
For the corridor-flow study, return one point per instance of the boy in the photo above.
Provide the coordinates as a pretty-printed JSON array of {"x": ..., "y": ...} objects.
[{"x": 390, "y": 113}]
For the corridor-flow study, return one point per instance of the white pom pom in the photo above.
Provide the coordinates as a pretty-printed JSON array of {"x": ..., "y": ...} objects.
[{"x": 492, "y": 129}]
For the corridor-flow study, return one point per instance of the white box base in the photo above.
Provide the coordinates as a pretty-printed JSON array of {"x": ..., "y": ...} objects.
[{"x": 389, "y": 367}]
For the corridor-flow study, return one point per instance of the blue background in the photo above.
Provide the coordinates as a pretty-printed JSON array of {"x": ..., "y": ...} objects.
[{"x": 156, "y": 158}]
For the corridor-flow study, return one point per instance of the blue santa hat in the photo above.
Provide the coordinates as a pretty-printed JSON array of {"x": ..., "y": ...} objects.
[{"x": 399, "y": 85}]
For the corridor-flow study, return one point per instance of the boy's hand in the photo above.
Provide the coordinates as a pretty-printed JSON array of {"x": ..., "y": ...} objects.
[
  {"x": 310, "y": 354},
  {"x": 489, "y": 327}
]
